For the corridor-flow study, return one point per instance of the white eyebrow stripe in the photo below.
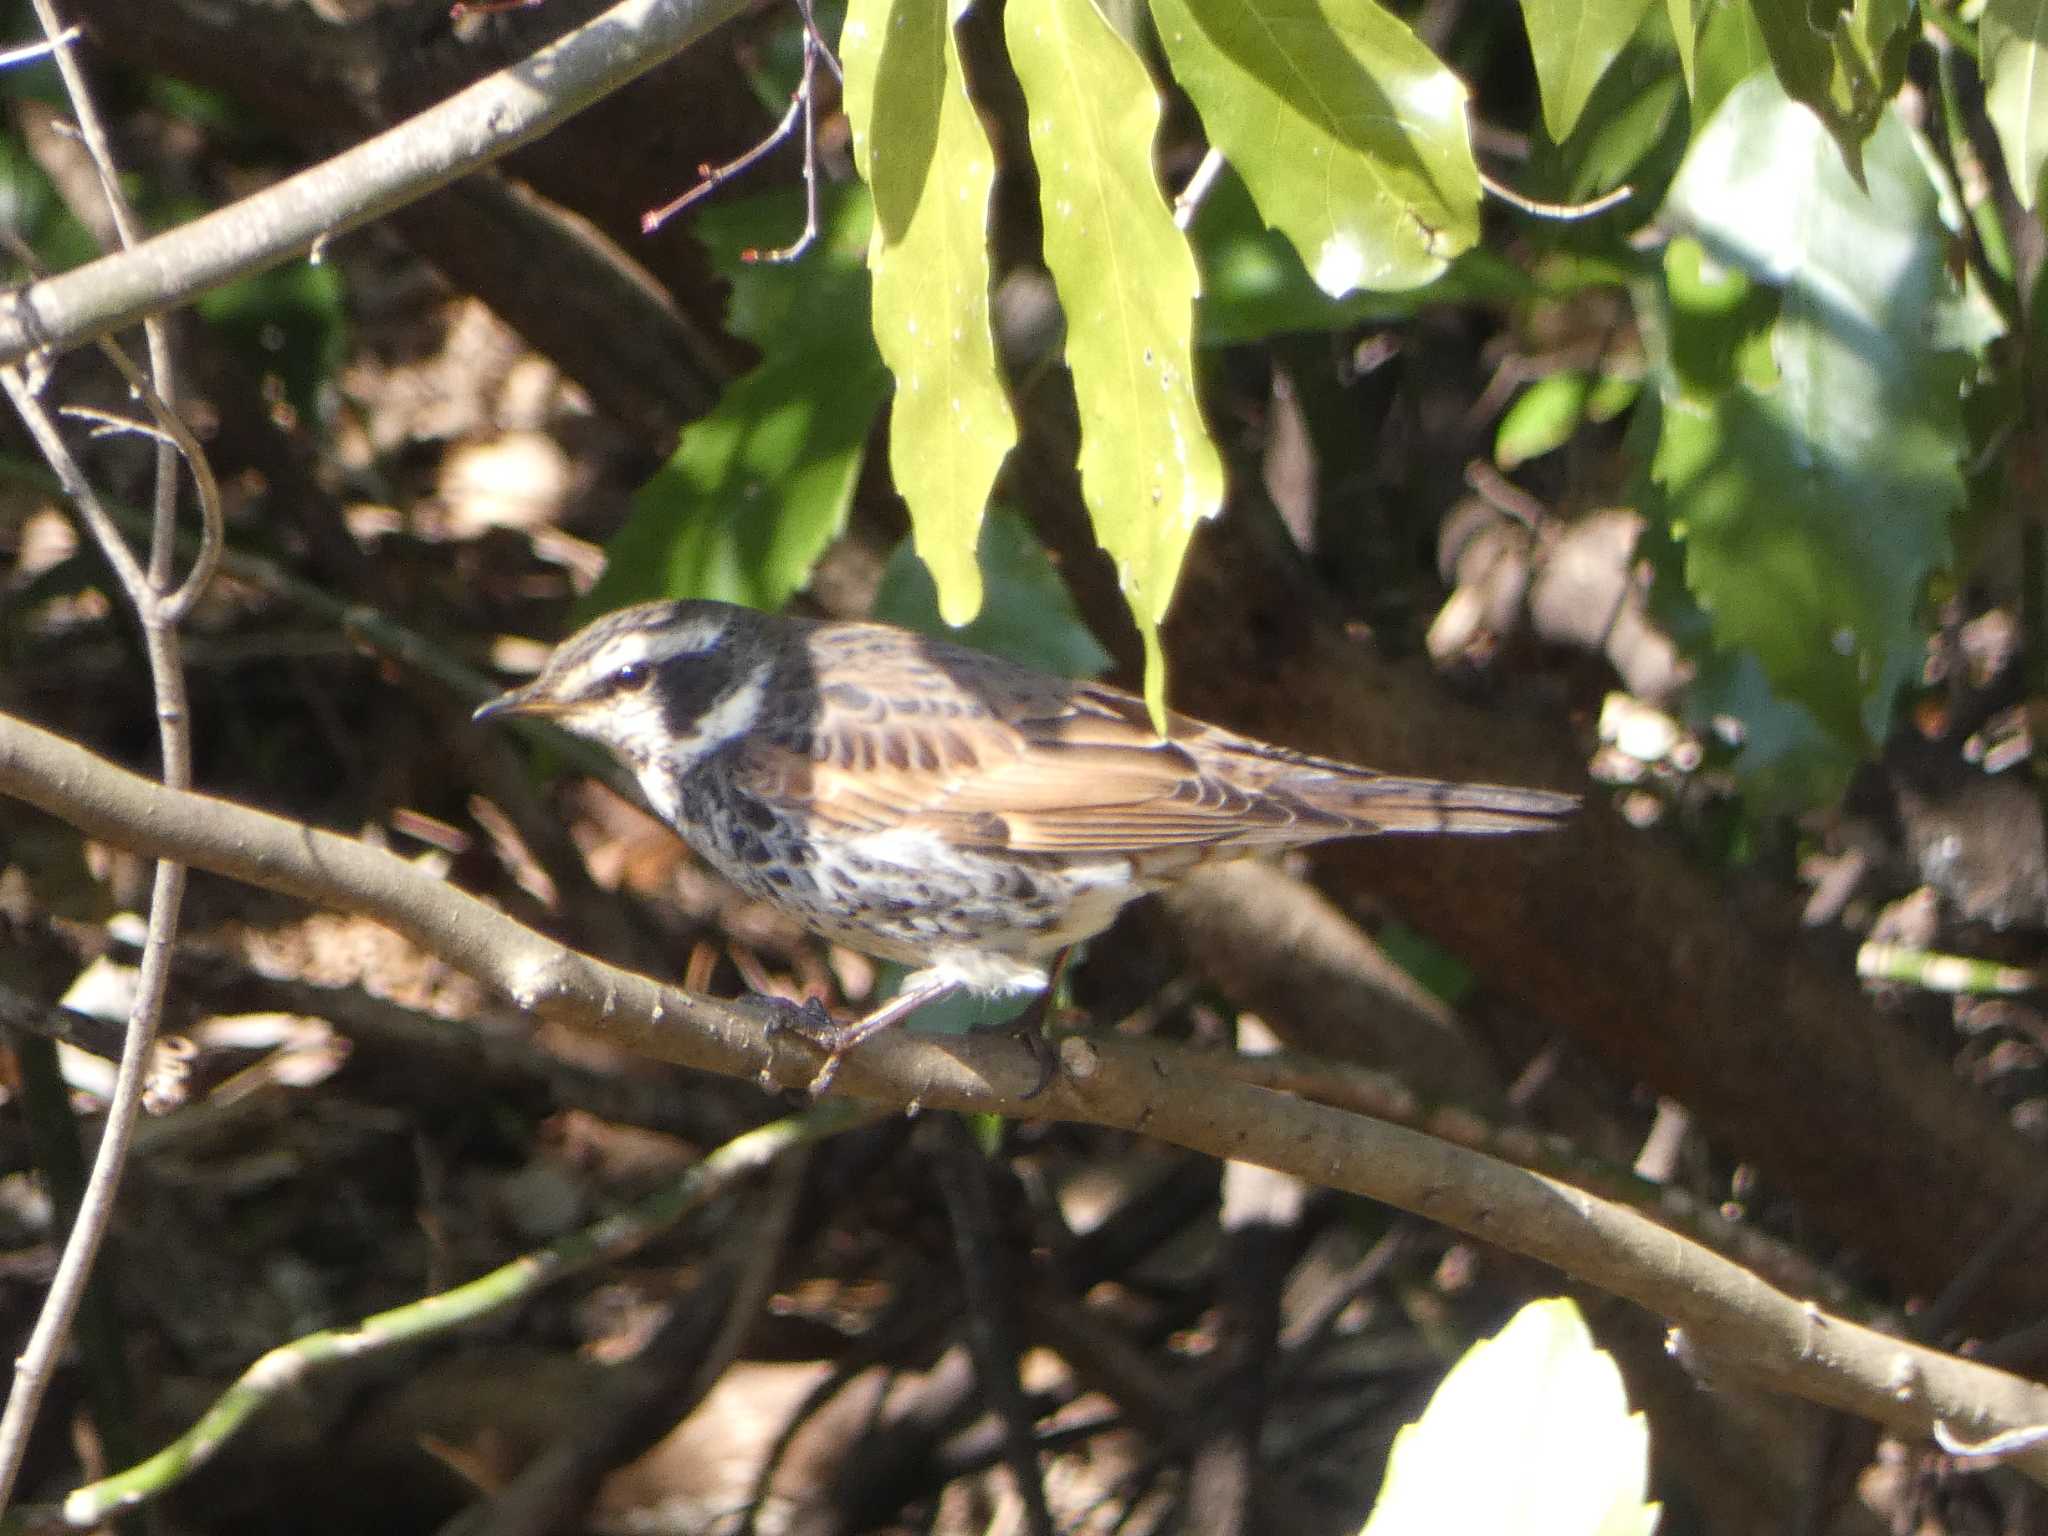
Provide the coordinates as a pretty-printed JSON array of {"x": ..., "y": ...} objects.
[{"x": 653, "y": 646}]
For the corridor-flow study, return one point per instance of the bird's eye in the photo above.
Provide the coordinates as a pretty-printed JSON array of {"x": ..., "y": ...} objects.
[{"x": 633, "y": 675}]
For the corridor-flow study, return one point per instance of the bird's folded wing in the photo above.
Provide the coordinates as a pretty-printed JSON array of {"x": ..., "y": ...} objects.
[{"x": 1068, "y": 779}]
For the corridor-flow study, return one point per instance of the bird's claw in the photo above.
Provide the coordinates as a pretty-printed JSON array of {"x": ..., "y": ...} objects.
[
  {"x": 811, "y": 1022},
  {"x": 1028, "y": 1029},
  {"x": 809, "y": 1018}
]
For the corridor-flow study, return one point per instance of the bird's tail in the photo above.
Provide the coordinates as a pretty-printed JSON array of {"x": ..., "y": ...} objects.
[{"x": 1378, "y": 802}]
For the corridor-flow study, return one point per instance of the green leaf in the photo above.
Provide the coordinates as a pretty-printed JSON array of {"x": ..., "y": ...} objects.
[
  {"x": 1786, "y": 763},
  {"x": 2013, "y": 45},
  {"x": 1545, "y": 1409},
  {"x": 1685, "y": 32},
  {"x": 1730, "y": 50},
  {"x": 1543, "y": 418},
  {"x": 1844, "y": 63},
  {"x": 757, "y": 489},
  {"x": 1632, "y": 130},
  {"x": 1029, "y": 614},
  {"x": 1255, "y": 287},
  {"x": 919, "y": 143},
  {"x": 1126, "y": 279},
  {"x": 1348, "y": 130},
  {"x": 1573, "y": 42},
  {"x": 1809, "y": 462}
]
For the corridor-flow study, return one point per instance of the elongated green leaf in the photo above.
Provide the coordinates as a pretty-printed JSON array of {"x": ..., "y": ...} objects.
[
  {"x": 1127, "y": 281},
  {"x": 1685, "y": 32},
  {"x": 1573, "y": 42},
  {"x": 1843, "y": 62},
  {"x": 1530, "y": 1433},
  {"x": 1730, "y": 50},
  {"x": 758, "y": 488},
  {"x": 2013, "y": 44},
  {"x": 1543, "y": 418},
  {"x": 1810, "y": 467},
  {"x": 919, "y": 142},
  {"x": 1349, "y": 132}
]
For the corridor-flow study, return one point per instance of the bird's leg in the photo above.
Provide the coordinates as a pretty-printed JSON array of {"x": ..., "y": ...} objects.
[
  {"x": 1028, "y": 1024},
  {"x": 812, "y": 1023}
]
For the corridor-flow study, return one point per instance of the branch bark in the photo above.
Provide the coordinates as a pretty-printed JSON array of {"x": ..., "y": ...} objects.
[
  {"x": 468, "y": 130},
  {"x": 1728, "y": 1317},
  {"x": 1721, "y": 1002}
]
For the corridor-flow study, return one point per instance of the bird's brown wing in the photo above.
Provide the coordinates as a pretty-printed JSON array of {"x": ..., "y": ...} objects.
[{"x": 920, "y": 735}]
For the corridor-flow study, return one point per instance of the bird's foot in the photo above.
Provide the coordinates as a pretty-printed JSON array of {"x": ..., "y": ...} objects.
[
  {"x": 1027, "y": 1026},
  {"x": 811, "y": 1022}
]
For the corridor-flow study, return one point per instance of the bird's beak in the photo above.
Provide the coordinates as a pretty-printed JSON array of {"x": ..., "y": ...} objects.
[{"x": 520, "y": 701}]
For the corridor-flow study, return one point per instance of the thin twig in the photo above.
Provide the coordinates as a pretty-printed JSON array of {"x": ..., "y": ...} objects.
[
  {"x": 712, "y": 177},
  {"x": 1564, "y": 212},
  {"x": 29, "y": 53},
  {"x": 38, "y": 1358},
  {"x": 986, "y": 1262},
  {"x": 1189, "y": 203},
  {"x": 802, "y": 107},
  {"x": 159, "y": 606},
  {"x": 612, "y": 1238},
  {"x": 471, "y": 128},
  {"x": 807, "y": 97}
]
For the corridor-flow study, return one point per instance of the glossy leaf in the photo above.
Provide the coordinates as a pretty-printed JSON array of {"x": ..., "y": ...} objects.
[
  {"x": 1730, "y": 49},
  {"x": 1028, "y": 615},
  {"x": 1348, "y": 130},
  {"x": 2013, "y": 44},
  {"x": 1543, "y": 418},
  {"x": 1845, "y": 64},
  {"x": 757, "y": 489},
  {"x": 1685, "y": 32},
  {"x": 1809, "y": 465},
  {"x": 1254, "y": 285},
  {"x": 1573, "y": 42},
  {"x": 1127, "y": 281},
  {"x": 1531, "y": 1433},
  {"x": 920, "y": 145}
]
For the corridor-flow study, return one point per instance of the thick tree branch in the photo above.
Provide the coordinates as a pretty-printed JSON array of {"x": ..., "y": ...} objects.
[
  {"x": 1728, "y": 1316},
  {"x": 469, "y": 129}
]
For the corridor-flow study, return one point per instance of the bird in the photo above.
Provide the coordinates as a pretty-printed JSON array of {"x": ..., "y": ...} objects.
[{"x": 930, "y": 804}]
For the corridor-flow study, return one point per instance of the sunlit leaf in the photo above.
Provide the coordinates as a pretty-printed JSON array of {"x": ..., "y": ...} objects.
[
  {"x": 1573, "y": 42},
  {"x": 1730, "y": 49},
  {"x": 2013, "y": 44},
  {"x": 757, "y": 489},
  {"x": 919, "y": 143},
  {"x": 1808, "y": 458},
  {"x": 1127, "y": 281},
  {"x": 1685, "y": 31},
  {"x": 1254, "y": 285},
  {"x": 1348, "y": 130},
  {"x": 1543, "y": 417},
  {"x": 1845, "y": 64},
  {"x": 1530, "y": 1433}
]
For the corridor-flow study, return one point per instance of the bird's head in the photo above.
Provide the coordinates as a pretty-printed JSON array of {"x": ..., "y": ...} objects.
[{"x": 656, "y": 682}]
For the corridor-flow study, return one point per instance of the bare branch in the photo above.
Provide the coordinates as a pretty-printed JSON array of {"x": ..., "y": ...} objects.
[
  {"x": 1726, "y": 1316},
  {"x": 611, "y": 1238},
  {"x": 471, "y": 128},
  {"x": 159, "y": 609}
]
